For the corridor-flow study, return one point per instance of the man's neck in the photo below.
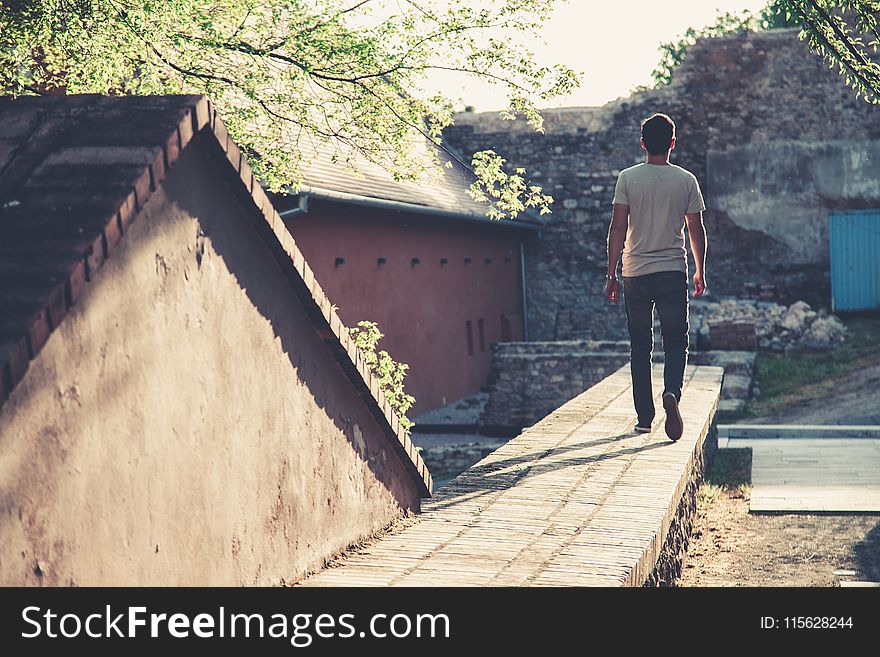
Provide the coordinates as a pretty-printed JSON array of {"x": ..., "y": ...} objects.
[{"x": 657, "y": 159}]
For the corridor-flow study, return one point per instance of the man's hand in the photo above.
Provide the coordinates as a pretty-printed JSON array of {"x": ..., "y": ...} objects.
[
  {"x": 612, "y": 290},
  {"x": 697, "y": 236},
  {"x": 699, "y": 284}
]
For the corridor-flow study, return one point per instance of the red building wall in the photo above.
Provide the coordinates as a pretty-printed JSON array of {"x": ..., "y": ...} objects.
[{"x": 439, "y": 318}]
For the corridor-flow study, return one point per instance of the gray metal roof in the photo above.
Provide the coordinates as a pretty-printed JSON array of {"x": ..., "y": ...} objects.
[{"x": 440, "y": 188}]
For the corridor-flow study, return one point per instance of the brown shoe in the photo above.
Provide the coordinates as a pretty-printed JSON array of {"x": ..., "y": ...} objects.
[{"x": 674, "y": 423}]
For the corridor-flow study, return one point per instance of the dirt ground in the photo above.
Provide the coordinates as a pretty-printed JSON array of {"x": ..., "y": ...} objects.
[{"x": 731, "y": 547}]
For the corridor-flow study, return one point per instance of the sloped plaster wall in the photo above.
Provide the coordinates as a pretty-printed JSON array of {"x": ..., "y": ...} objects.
[{"x": 185, "y": 425}]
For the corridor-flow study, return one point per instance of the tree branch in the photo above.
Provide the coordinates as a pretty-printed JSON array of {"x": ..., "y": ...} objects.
[
  {"x": 833, "y": 50},
  {"x": 854, "y": 52},
  {"x": 421, "y": 131},
  {"x": 817, "y": 32},
  {"x": 314, "y": 27}
]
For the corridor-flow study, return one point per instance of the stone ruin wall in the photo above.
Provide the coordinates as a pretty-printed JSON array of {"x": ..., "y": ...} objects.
[{"x": 741, "y": 90}]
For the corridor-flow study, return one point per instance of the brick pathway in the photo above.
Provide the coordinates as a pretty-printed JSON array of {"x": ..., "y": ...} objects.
[{"x": 577, "y": 499}]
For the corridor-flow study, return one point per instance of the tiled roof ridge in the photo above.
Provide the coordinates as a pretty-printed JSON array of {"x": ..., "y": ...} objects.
[{"x": 201, "y": 118}]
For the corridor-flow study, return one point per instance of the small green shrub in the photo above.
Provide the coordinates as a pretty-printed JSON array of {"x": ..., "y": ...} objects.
[{"x": 389, "y": 373}]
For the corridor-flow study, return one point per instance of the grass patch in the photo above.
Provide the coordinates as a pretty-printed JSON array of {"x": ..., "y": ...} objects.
[
  {"x": 787, "y": 379},
  {"x": 730, "y": 468},
  {"x": 729, "y": 474},
  {"x": 707, "y": 495}
]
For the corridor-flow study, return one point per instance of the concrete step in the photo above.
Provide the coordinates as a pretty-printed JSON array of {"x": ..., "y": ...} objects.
[
  {"x": 765, "y": 431},
  {"x": 731, "y": 405},
  {"x": 736, "y": 386}
]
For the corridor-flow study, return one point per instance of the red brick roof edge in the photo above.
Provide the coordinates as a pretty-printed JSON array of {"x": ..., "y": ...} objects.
[{"x": 202, "y": 120}]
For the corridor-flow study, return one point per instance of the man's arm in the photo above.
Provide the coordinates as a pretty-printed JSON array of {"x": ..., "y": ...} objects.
[
  {"x": 617, "y": 236},
  {"x": 616, "y": 239},
  {"x": 697, "y": 236}
]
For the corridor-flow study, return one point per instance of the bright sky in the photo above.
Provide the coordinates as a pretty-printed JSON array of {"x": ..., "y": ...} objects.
[{"x": 614, "y": 42}]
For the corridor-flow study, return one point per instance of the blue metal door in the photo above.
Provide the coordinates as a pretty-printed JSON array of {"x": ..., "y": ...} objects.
[{"x": 854, "y": 241}]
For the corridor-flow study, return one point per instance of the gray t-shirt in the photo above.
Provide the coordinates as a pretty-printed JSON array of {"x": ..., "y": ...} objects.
[{"x": 658, "y": 196}]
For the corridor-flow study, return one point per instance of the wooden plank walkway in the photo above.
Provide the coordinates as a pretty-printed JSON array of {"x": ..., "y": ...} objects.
[{"x": 577, "y": 499}]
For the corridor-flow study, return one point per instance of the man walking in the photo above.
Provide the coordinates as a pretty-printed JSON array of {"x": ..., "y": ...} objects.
[{"x": 653, "y": 201}]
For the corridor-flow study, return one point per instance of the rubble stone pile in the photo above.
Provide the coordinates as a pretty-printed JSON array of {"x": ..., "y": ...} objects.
[{"x": 777, "y": 327}]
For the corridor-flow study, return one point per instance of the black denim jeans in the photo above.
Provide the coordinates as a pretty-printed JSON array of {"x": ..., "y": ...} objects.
[{"x": 668, "y": 290}]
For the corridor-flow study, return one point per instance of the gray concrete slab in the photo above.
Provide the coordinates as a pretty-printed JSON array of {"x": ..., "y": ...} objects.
[
  {"x": 814, "y": 475},
  {"x": 852, "y": 585}
]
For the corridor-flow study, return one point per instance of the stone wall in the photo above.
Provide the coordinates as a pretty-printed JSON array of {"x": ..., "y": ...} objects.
[
  {"x": 667, "y": 570},
  {"x": 794, "y": 183},
  {"x": 529, "y": 380},
  {"x": 763, "y": 93}
]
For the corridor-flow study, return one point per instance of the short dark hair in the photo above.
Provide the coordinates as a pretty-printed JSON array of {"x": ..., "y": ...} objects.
[{"x": 657, "y": 132}]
